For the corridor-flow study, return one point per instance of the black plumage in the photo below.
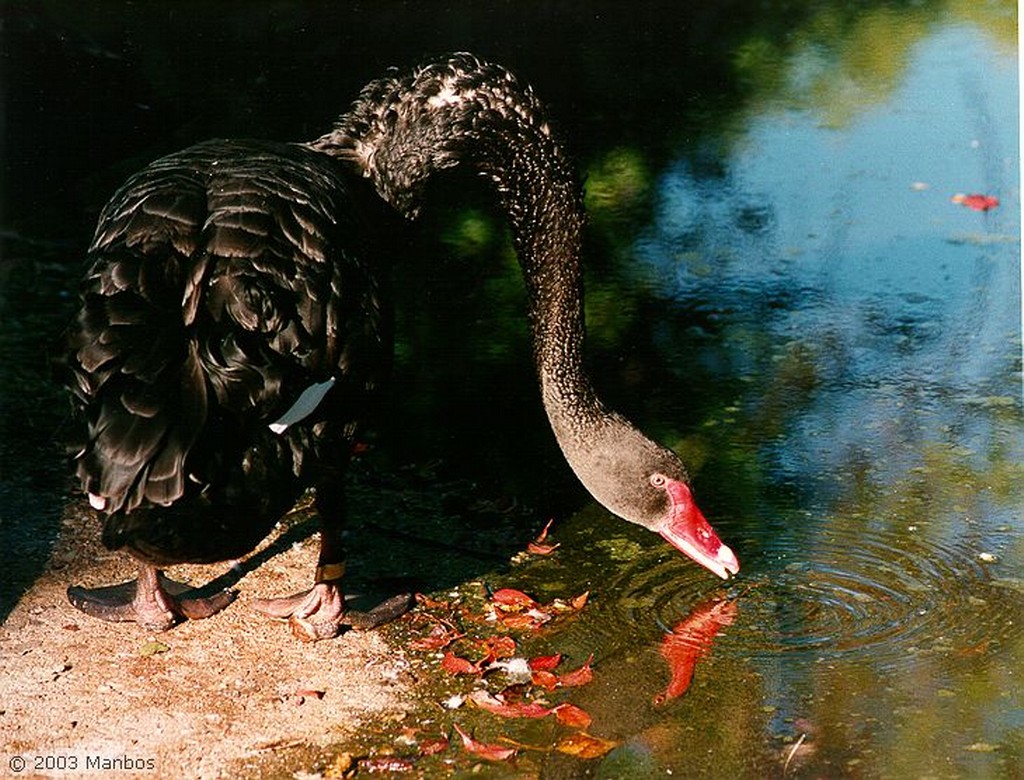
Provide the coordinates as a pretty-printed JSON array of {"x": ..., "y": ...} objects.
[
  {"x": 231, "y": 280},
  {"x": 223, "y": 280}
]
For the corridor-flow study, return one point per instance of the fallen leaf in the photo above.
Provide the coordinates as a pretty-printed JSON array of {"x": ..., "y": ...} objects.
[
  {"x": 489, "y": 752},
  {"x": 343, "y": 766},
  {"x": 545, "y": 679},
  {"x": 496, "y": 705},
  {"x": 690, "y": 640},
  {"x": 976, "y": 201},
  {"x": 571, "y": 715},
  {"x": 544, "y": 531},
  {"x": 541, "y": 549},
  {"x": 580, "y": 601},
  {"x": 580, "y": 676},
  {"x": 545, "y": 663},
  {"x": 430, "y": 747},
  {"x": 510, "y": 598},
  {"x": 496, "y": 647},
  {"x": 525, "y": 621},
  {"x": 454, "y": 664},
  {"x": 428, "y": 603},
  {"x": 583, "y": 745},
  {"x": 439, "y": 638}
]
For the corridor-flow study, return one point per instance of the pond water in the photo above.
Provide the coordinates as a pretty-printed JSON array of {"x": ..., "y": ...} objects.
[
  {"x": 866, "y": 456},
  {"x": 779, "y": 287}
]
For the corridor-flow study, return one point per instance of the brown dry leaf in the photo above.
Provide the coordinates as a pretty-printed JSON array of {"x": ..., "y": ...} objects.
[
  {"x": 343, "y": 766},
  {"x": 583, "y": 745}
]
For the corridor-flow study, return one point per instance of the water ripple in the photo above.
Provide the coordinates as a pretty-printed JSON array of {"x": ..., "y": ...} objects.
[{"x": 893, "y": 597}]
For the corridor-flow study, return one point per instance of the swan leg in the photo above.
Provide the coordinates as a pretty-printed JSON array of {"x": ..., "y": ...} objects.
[
  {"x": 154, "y": 601},
  {"x": 319, "y": 613}
]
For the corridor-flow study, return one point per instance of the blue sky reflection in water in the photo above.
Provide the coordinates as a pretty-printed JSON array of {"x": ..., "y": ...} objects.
[{"x": 876, "y": 328}]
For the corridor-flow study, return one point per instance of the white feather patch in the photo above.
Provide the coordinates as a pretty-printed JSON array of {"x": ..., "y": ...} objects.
[{"x": 304, "y": 406}]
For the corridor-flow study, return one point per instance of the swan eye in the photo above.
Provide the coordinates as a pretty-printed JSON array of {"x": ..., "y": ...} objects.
[{"x": 658, "y": 480}]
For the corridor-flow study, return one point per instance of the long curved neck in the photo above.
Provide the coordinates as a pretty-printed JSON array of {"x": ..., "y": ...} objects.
[{"x": 460, "y": 110}]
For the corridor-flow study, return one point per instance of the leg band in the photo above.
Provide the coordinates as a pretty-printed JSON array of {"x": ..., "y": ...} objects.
[{"x": 330, "y": 572}]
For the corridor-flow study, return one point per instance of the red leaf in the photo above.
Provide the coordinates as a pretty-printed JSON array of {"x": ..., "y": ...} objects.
[
  {"x": 429, "y": 603},
  {"x": 430, "y": 747},
  {"x": 514, "y": 599},
  {"x": 580, "y": 676},
  {"x": 498, "y": 706},
  {"x": 497, "y": 647},
  {"x": 537, "y": 546},
  {"x": 545, "y": 663},
  {"x": 544, "y": 532},
  {"x": 571, "y": 715},
  {"x": 580, "y": 601},
  {"x": 454, "y": 664},
  {"x": 545, "y": 679},
  {"x": 976, "y": 201},
  {"x": 690, "y": 640},
  {"x": 541, "y": 549},
  {"x": 489, "y": 752},
  {"x": 531, "y": 620}
]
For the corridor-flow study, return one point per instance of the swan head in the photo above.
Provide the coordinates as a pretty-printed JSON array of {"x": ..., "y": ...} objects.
[{"x": 645, "y": 483}]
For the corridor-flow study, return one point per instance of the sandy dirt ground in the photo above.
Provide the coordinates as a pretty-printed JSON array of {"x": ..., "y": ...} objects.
[{"x": 230, "y": 696}]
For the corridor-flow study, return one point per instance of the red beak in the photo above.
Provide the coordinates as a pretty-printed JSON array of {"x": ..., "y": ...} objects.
[{"x": 686, "y": 529}]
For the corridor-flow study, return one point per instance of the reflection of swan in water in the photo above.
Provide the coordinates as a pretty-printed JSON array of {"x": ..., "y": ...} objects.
[{"x": 233, "y": 327}]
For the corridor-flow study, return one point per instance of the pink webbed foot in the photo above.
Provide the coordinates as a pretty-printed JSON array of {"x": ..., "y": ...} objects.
[
  {"x": 319, "y": 613},
  {"x": 154, "y": 601}
]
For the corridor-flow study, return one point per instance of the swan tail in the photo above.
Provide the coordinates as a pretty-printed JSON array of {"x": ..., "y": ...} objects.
[{"x": 138, "y": 383}]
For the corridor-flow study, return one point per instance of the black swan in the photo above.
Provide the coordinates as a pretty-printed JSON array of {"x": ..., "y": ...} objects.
[{"x": 232, "y": 330}]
